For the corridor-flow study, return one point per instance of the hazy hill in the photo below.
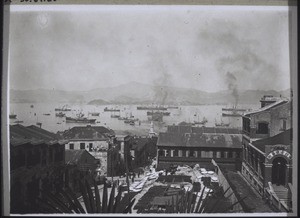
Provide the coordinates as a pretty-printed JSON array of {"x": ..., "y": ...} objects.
[
  {"x": 137, "y": 93},
  {"x": 98, "y": 102}
]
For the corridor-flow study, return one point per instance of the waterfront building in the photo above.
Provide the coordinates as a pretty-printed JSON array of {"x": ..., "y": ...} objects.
[
  {"x": 37, "y": 160},
  {"x": 184, "y": 144},
  {"x": 267, "y": 151}
]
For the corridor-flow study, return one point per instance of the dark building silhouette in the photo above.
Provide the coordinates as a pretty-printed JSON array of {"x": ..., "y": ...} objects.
[{"x": 37, "y": 160}]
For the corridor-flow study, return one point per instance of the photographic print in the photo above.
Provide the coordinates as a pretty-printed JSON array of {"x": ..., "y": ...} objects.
[{"x": 150, "y": 109}]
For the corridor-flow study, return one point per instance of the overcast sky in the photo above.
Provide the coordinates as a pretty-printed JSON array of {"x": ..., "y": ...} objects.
[{"x": 83, "y": 48}]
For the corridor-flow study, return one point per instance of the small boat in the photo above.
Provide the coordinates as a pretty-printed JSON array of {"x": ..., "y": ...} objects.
[
  {"x": 60, "y": 114},
  {"x": 172, "y": 107},
  {"x": 12, "y": 116},
  {"x": 63, "y": 108},
  {"x": 123, "y": 118},
  {"x": 19, "y": 121},
  {"x": 204, "y": 120},
  {"x": 58, "y": 123},
  {"x": 31, "y": 106},
  {"x": 46, "y": 114},
  {"x": 106, "y": 109},
  {"x": 114, "y": 116},
  {"x": 95, "y": 114},
  {"x": 222, "y": 124}
]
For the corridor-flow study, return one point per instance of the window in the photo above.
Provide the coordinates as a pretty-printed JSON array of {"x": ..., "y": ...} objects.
[
  {"x": 175, "y": 153},
  {"x": 191, "y": 153},
  {"x": 262, "y": 128},
  {"x": 71, "y": 145},
  {"x": 82, "y": 145},
  {"x": 229, "y": 154},
  {"x": 168, "y": 153},
  {"x": 218, "y": 155},
  {"x": 246, "y": 125},
  {"x": 161, "y": 153},
  {"x": 179, "y": 153},
  {"x": 283, "y": 124},
  {"x": 91, "y": 147}
]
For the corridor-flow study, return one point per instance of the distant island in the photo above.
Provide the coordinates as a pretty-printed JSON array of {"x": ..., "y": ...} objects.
[
  {"x": 138, "y": 93},
  {"x": 98, "y": 102}
]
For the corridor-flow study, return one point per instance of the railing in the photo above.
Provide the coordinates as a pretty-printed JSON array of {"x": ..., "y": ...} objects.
[
  {"x": 197, "y": 159},
  {"x": 273, "y": 200},
  {"x": 230, "y": 193}
]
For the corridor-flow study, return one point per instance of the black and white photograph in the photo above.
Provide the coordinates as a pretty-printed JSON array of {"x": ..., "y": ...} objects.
[{"x": 146, "y": 109}]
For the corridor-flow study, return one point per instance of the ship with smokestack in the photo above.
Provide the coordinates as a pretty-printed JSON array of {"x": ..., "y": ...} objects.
[
  {"x": 233, "y": 111},
  {"x": 232, "y": 86}
]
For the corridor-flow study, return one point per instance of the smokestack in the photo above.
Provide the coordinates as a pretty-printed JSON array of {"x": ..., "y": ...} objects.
[{"x": 232, "y": 86}]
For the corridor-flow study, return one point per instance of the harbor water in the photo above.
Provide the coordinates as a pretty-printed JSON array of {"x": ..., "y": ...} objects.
[{"x": 44, "y": 113}]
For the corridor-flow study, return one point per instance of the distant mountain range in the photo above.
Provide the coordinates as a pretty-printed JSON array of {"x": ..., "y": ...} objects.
[{"x": 138, "y": 93}]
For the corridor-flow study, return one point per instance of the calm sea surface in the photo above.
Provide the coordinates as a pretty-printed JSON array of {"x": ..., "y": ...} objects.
[{"x": 30, "y": 116}]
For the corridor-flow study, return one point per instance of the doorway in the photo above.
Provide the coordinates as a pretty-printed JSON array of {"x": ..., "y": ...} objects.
[{"x": 279, "y": 171}]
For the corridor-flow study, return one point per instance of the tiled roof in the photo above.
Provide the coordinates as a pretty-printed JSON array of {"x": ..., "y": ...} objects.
[
  {"x": 283, "y": 138},
  {"x": 266, "y": 108},
  {"x": 200, "y": 140},
  {"x": 20, "y": 134},
  {"x": 88, "y": 132},
  {"x": 74, "y": 156},
  {"x": 203, "y": 129}
]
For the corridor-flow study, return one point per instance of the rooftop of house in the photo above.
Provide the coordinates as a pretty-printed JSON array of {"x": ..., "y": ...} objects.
[
  {"x": 200, "y": 140},
  {"x": 123, "y": 137},
  {"x": 20, "y": 134},
  {"x": 267, "y": 108},
  {"x": 88, "y": 133},
  {"x": 73, "y": 157},
  {"x": 283, "y": 138},
  {"x": 203, "y": 129}
]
